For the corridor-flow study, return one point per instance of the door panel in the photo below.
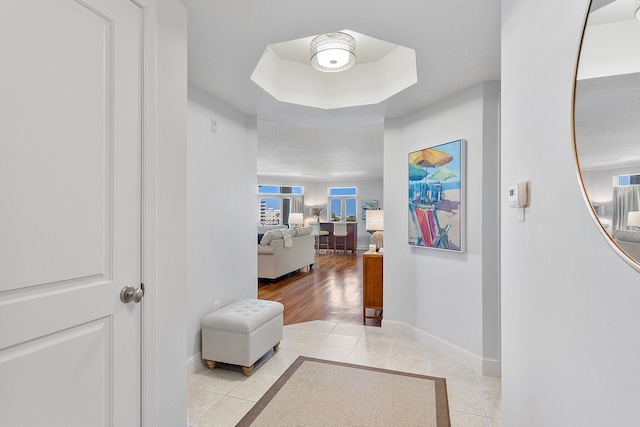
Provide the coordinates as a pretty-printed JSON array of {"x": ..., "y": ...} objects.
[
  {"x": 42, "y": 367},
  {"x": 70, "y": 186},
  {"x": 56, "y": 128}
]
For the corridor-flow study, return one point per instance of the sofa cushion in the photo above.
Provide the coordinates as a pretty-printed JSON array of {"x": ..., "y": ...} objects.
[
  {"x": 627, "y": 236},
  {"x": 264, "y": 228},
  {"x": 629, "y": 242},
  {"x": 303, "y": 231},
  {"x": 269, "y": 236}
]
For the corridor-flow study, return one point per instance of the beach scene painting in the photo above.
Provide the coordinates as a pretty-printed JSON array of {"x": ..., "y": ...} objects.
[
  {"x": 436, "y": 197},
  {"x": 366, "y": 205}
]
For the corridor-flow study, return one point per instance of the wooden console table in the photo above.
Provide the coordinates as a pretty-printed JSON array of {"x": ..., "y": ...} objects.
[
  {"x": 372, "y": 285},
  {"x": 352, "y": 237}
]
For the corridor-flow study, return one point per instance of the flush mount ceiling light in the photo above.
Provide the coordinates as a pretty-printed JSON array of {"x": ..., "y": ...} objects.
[
  {"x": 638, "y": 14},
  {"x": 333, "y": 52}
]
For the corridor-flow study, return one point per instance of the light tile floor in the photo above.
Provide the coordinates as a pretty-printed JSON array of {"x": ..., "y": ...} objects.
[{"x": 221, "y": 397}]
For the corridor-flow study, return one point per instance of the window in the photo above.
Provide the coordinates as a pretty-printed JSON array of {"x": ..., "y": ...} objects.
[
  {"x": 627, "y": 180},
  {"x": 276, "y": 189},
  {"x": 277, "y": 202},
  {"x": 343, "y": 204}
]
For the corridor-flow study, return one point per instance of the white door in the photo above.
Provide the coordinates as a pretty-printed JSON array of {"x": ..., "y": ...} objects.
[{"x": 70, "y": 191}]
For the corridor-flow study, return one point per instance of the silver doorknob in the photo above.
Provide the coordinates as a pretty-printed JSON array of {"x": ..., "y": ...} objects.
[{"x": 131, "y": 293}]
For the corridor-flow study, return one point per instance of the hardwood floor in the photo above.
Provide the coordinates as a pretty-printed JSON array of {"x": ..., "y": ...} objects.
[{"x": 332, "y": 290}]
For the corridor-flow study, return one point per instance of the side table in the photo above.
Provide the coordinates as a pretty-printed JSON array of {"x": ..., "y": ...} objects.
[{"x": 372, "y": 263}]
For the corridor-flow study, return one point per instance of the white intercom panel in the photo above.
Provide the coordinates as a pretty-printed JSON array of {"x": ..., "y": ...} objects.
[{"x": 518, "y": 197}]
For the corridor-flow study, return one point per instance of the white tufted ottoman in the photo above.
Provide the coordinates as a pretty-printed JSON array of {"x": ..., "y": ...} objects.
[{"x": 242, "y": 332}]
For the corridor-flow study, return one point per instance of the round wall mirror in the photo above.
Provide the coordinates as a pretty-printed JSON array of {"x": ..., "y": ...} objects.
[{"x": 607, "y": 122}]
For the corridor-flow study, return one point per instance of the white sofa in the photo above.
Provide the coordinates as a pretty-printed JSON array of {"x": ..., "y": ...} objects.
[
  {"x": 276, "y": 260},
  {"x": 629, "y": 242}
]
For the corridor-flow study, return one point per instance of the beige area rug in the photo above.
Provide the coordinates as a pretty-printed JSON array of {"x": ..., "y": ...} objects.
[{"x": 314, "y": 392}]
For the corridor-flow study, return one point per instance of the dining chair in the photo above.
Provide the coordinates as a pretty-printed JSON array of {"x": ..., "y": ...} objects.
[
  {"x": 319, "y": 235},
  {"x": 340, "y": 233}
]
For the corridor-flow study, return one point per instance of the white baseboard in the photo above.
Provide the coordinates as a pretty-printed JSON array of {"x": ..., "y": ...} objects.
[
  {"x": 195, "y": 364},
  {"x": 491, "y": 367},
  {"x": 484, "y": 366}
]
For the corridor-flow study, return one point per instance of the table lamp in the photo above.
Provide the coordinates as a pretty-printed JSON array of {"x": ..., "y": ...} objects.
[
  {"x": 296, "y": 218},
  {"x": 375, "y": 223},
  {"x": 633, "y": 220}
]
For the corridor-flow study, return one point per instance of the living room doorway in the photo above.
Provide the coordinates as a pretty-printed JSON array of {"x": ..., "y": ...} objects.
[{"x": 331, "y": 291}]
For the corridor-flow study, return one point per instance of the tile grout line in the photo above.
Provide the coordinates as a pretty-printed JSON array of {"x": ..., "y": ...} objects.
[{"x": 484, "y": 406}]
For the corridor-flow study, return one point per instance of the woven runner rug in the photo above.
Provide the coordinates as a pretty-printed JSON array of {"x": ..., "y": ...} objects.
[{"x": 314, "y": 392}]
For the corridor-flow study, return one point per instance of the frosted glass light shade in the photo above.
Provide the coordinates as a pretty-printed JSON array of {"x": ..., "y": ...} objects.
[{"x": 333, "y": 52}]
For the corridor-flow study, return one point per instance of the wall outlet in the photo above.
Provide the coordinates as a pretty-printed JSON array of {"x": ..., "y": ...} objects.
[{"x": 216, "y": 305}]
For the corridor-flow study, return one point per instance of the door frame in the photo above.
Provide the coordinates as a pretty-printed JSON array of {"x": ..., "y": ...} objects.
[
  {"x": 148, "y": 258},
  {"x": 158, "y": 241}
]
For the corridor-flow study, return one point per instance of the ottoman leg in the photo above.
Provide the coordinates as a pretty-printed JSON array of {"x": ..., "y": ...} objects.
[
  {"x": 275, "y": 347},
  {"x": 247, "y": 370},
  {"x": 211, "y": 364}
]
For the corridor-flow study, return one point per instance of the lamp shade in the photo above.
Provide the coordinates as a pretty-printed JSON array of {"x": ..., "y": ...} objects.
[
  {"x": 633, "y": 219},
  {"x": 375, "y": 219},
  {"x": 296, "y": 218},
  {"x": 333, "y": 52}
]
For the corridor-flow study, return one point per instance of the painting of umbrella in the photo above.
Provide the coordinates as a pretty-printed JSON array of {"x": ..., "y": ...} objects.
[{"x": 436, "y": 195}]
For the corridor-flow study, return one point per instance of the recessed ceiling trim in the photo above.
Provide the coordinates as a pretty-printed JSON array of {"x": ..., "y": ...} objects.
[{"x": 366, "y": 83}]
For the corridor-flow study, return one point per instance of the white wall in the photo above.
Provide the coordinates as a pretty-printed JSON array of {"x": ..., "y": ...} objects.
[
  {"x": 166, "y": 398},
  {"x": 316, "y": 194},
  {"x": 450, "y": 299},
  {"x": 570, "y": 318},
  {"x": 221, "y": 210},
  {"x": 399, "y": 281}
]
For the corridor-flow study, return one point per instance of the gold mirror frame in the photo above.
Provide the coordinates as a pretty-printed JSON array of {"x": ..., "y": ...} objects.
[{"x": 635, "y": 263}]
